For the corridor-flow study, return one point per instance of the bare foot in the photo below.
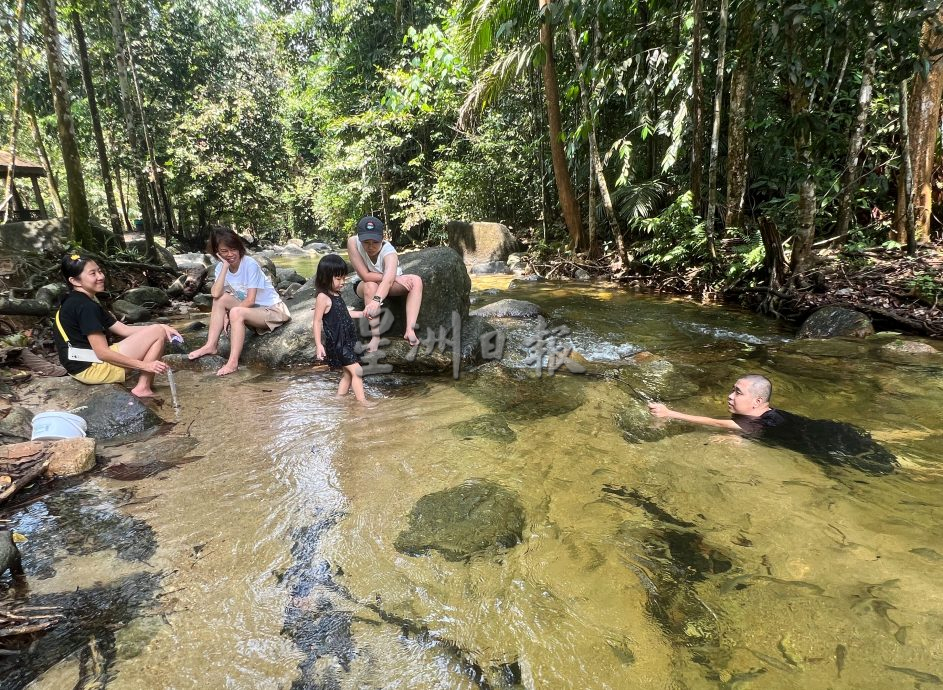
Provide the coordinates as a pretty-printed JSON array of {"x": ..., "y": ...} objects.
[
  {"x": 227, "y": 369},
  {"x": 145, "y": 392},
  {"x": 202, "y": 352},
  {"x": 368, "y": 404},
  {"x": 411, "y": 337},
  {"x": 374, "y": 344}
]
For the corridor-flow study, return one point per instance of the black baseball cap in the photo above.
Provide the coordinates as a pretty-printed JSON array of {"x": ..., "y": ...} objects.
[{"x": 370, "y": 228}]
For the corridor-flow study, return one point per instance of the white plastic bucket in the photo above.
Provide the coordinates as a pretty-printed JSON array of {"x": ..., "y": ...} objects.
[{"x": 52, "y": 426}]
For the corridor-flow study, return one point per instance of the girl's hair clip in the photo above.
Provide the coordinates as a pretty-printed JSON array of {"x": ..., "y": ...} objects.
[{"x": 75, "y": 257}]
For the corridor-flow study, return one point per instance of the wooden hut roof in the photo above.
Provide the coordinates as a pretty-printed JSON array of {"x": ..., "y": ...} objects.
[{"x": 23, "y": 168}]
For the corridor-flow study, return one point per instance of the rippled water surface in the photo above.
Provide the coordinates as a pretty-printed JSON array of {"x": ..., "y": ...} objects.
[{"x": 264, "y": 553}]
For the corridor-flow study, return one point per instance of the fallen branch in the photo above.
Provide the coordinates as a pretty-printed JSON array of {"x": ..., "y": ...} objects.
[{"x": 27, "y": 478}]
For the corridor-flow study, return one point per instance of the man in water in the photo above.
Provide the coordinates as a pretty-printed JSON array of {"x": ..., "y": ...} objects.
[
  {"x": 823, "y": 441},
  {"x": 748, "y": 403}
]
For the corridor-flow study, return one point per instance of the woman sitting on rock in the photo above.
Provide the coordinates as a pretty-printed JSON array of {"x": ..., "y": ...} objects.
[
  {"x": 242, "y": 296},
  {"x": 81, "y": 333},
  {"x": 379, "y": 276}
]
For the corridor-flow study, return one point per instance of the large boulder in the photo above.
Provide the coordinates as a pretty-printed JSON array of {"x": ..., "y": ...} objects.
[
  {"x": 111, "y": 412},
  {"x": 50, "y": 235},
  {"x": 146, "y": 296},
  {"x": 51, "y": 294},
  {"x": 446, "y": 289},
  {"x": 475, "y": 517},
  {"x": 836, "y": 322},
  {"x": 480, "y": 243},
  {"x": 193, "y": 260},
  {"x": 289, "y": 275},
  {"x": 130, "y": 312}
]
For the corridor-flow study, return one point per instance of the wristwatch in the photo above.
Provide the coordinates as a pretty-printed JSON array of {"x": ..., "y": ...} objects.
[{"x": 376, "y": 298}]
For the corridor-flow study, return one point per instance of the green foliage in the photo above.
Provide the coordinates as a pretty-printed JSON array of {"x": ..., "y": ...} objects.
[
  {"x": 674, "y": 238},
  {"x": 928, "y": 287}
]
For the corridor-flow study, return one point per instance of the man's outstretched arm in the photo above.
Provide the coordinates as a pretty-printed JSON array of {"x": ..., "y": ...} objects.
[{"x": 659, "y": 410}]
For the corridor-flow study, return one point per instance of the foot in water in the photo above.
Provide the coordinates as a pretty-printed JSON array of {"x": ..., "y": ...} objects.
[
  {"x": 202, "y": 352},
  {"x": 227, "y": 369}
]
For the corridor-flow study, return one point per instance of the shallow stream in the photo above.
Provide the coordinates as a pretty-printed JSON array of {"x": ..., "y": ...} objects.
[{"x": 260, "y": 543}]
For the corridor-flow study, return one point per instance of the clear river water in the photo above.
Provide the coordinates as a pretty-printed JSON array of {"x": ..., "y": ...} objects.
[{"x": 261, "y": 545}]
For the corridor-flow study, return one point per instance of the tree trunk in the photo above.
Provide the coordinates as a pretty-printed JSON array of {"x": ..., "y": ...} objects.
[
  {"x": 96, "y": 126},
  {"x": 140, "y": 181},
  {"x": 805, "y": 230},
  {"x": 124, "y": 205},
  {"x": 906, "y": 168},
  {"x": 80, "y": 223},
  {"x": 849, "y": 179},
  {"x": 15, "y": 115},
  {"x": 561, "y": 173},
  {"x": 595, "y": 162},
  {"x": 39, "y": 198},
  {"x": 715, "y": 131},
  {"x": 697, "y": 107},
  {"x": 44, "y": 159},
  {"x": 162, "y": 211},
  {"x": 924, "y": 116},
  {"x": 738, "y": 152}
]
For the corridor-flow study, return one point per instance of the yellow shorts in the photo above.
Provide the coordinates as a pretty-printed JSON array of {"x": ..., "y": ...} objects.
[{"x": 102, "y": 372}]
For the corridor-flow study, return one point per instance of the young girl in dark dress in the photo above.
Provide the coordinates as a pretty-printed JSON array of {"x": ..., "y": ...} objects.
[{"x": 335, "y": 333}]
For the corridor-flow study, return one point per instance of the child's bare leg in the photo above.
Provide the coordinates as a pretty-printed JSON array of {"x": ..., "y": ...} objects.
[
  {"x": 344, "y": 386},
  {"x": 356, "y": 381}
]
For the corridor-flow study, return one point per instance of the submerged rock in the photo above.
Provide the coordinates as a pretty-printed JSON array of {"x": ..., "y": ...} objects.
[
  {"x": 670, "y": 558},
  {"x": 650, "y": 377},
  {"x": 519, "y": 395},
  {"x": 112, "y": 412},
  {"x": 638, "y": 426},
  {"x": 836, "y": 322},
  {"x": 475, "y": 517},
  {"x": 207, "y": 363},
  {"x": 490, "y": 426},
  {"x": 95, "y": 614},
  {"x": 509, "y": 309}
]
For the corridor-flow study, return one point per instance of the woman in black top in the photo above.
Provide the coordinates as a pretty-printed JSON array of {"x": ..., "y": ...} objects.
[{"x": 81, "y": 329}]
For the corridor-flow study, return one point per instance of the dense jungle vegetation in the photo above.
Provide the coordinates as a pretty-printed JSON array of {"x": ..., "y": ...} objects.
[{"x": 720, "y": 142}]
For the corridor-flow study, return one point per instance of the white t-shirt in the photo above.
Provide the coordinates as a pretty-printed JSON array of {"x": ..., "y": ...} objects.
[
  {"x": 250, "y": 275},
  {"x": 385, "y": 251}
]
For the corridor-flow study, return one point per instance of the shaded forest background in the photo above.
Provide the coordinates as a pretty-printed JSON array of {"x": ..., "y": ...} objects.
[{"x": 717, "y": 138}]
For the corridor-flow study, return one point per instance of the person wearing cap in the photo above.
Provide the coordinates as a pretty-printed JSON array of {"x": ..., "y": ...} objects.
[{"x": 380, "y": 276}]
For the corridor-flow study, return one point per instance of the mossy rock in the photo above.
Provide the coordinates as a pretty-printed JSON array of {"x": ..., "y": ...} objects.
[
  {"x": 490, "y": 426},
  {"x": 475, "y": 517},
  {"x": 520, "y": 395}
]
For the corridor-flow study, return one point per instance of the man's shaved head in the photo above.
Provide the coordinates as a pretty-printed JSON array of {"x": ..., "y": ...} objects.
[{"x": 760, "y": 386}]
